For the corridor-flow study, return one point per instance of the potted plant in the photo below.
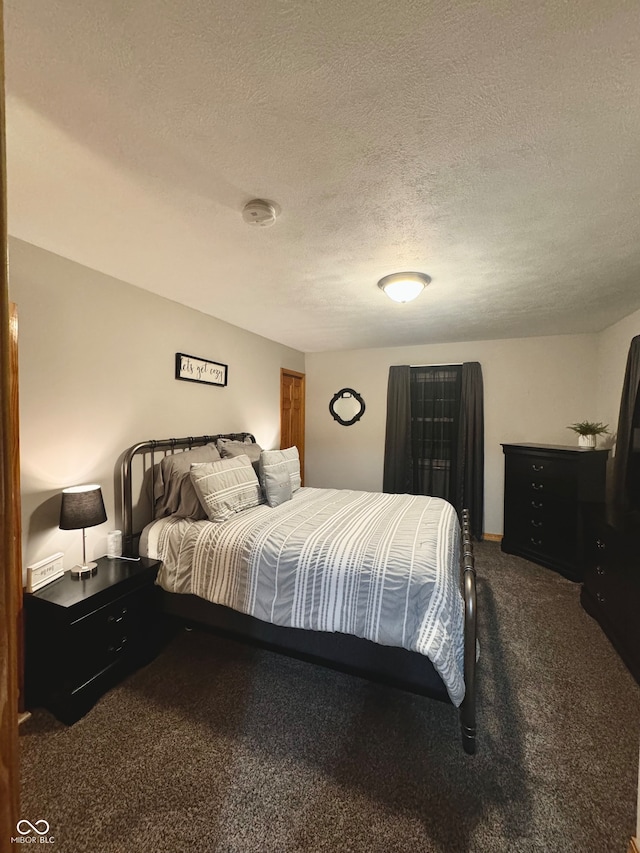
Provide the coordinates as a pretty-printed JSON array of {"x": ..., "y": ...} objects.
[{"x": 587, "y": 432}]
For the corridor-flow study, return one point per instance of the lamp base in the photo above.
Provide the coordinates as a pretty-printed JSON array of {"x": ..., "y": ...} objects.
[{"x": 82, "y": 572}]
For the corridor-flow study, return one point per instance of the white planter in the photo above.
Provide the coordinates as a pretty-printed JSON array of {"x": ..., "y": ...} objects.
[{"x": 587, "y": 441}]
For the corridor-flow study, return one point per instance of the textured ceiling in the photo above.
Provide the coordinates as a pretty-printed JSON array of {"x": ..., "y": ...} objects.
[{"x": 490, "y": 144}]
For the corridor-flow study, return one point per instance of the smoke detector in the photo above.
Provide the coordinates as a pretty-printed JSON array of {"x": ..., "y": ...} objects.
[{"x": 259, "y": 212}]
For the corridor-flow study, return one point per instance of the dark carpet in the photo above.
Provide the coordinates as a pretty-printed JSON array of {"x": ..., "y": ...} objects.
[{"x": 220, "y": 747}]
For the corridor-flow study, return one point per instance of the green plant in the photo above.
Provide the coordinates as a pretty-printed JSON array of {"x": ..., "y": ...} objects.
[{"x": 589, "y": 428}]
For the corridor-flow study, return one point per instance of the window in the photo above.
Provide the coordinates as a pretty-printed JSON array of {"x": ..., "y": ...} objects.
[{"x": 435, "y": 419}]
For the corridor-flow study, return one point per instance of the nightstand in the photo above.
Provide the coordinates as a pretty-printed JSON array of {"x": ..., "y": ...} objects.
[{"x": 84, "y": 636}]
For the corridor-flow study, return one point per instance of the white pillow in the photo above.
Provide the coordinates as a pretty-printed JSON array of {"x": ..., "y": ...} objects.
[
  {"x": 290, "y": 457},
  {"x": 226, "y": 487}
]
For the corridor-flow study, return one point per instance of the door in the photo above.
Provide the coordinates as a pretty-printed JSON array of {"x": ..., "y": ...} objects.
[{"x": 292, "y": 413}]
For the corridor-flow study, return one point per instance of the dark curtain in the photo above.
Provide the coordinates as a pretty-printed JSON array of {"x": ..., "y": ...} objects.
[
  {"x": 435, "y": 415},
  {"x": 470, "y": 457},
  {"x": 397, "y": 443},
  {"x": 626, "y": 490},
  {"x": 434, "y": 443}
]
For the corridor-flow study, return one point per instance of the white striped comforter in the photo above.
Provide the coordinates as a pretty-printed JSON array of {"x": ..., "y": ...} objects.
[{"x": 382, "y": 567}]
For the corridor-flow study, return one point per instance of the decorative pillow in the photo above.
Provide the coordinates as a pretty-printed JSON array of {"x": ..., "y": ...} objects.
[
  {"x": 226, "y": 487},
  {"x": 290, "y": 457},
  {"x": 231, "y": 449},
  {"x": 275, "y": 480},
  {"x": 172, "y": 488}
]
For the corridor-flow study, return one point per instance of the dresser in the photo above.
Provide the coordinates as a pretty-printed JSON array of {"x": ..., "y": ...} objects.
[
  {"x": 545, "y": 490},
  {"x": 84, "y": 636},
  {"x": 611, "y": 589}
]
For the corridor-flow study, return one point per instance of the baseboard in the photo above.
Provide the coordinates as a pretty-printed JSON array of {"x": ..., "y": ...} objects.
[
  {"x": 634, "y": 846},
  {"x": 493, "y": 537},
  {"x": 23, "y": 717}
]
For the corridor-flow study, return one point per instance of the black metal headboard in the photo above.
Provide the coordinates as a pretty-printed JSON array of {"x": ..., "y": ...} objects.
[{"x": 147, "y": 450}]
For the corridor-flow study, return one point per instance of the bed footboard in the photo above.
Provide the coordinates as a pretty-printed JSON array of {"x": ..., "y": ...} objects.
[{"x": 468, "y": 707}]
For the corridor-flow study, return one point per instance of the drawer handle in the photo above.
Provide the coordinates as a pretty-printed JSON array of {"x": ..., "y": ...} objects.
[
  {"x": 536, "y": 523},
  {"x": 600, "y": 598},
  {"x": 536, "y": 504},
  {"x": 536, "y": 541},
  {"x": 600, "y": 544},
  {"x": 538, "y": 467},
  {"x": 117, "y": 649},
  {"x": 114, "y": 619},
  {"x": 600, "y": 570},
  {"x": 537, "y": 486}
]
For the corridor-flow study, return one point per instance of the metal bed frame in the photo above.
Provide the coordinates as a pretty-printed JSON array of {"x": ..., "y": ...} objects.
[{"x": 398, "y": 667}]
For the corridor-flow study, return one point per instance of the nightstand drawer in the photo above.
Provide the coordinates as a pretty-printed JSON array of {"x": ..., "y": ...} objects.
[{"x": 107, "y": 635}]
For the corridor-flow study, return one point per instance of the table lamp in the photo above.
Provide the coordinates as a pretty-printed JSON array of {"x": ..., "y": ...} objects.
[{"x": 82, "y": 507}]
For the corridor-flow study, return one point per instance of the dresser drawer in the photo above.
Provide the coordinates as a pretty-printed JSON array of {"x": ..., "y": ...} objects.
[
  {"x": 612, "y": 578},
  {"x": 611, "y": 590},
  {"x": 548, "y": 541},
  {"x": 542, "y": 522},
  {"x": 538, "y": 476}
]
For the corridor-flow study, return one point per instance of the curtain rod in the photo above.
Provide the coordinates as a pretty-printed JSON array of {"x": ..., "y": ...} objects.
[{"x": 445, "y": 364}]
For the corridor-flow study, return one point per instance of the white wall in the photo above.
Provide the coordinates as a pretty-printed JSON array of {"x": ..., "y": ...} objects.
[
  {"x": 533, "y": 387},
  {"x": 97, "y": 375}
]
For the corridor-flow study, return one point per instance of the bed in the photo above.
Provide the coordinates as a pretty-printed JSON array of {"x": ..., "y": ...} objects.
[{"x": 382, "y": 586}]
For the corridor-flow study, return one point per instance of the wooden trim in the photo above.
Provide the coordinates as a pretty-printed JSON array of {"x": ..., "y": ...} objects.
[
  {"x": 634, "y": 846},
  {"x": 493, "y": 537},
  {"x": 16, "y": 524},
  {"x": 285, "y": 371},
  {"x": 10, "y": 568}
]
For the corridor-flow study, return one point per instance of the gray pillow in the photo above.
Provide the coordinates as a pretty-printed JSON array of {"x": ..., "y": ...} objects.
[
  {"x": 173, "y": 490},
  {"x": 230, "y": 449},
  {"x": 275, "y": 480},
  {"x": 226, "y": 487}
]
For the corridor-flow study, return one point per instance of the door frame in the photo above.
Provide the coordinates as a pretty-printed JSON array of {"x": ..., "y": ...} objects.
[
  {"x": 10, "y": 559},
  {"x": 285, "y": 371}
]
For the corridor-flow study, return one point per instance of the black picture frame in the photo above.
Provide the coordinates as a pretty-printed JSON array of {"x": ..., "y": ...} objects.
[{"x": 190, "y": 368}]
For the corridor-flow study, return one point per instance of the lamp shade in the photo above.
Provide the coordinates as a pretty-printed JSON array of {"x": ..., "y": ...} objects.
[{"x": 82, "y": 506}]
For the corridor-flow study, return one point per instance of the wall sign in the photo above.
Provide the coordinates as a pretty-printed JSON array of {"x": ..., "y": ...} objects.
[
  {"x": 193, "y": 369},
  {"x": 44, "y": 571}
]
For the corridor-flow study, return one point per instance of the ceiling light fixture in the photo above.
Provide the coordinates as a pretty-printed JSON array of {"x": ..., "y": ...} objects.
[{"x": 404, "y": 286}]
